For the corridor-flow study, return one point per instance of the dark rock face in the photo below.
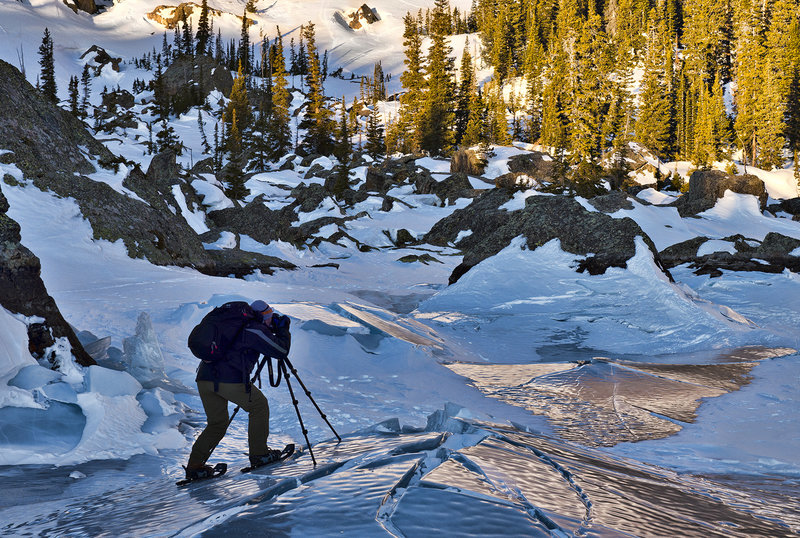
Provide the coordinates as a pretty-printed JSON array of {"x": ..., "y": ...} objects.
[
  {"x": 365, "y": 14},
  {"x": 791, "y": 206},
  {"x": 23, "y": 292},
  {"x": 88, "y": 6},
  {"x": 772, "y": 255},
  {"x": 707, "y": 186},
  {"x": 100, "y": 57},
  {"x": 43, "y": 137},
  {"x": 240, "y": 263},
  {"x": 46, "y": 141},
  {"x": 115, "y": 111},
  {"x": 582, "y": 232},
  {"x": 449, "y": 189},
  {"x": 189, "y": 79},
  {"x": 527, "y": 170}
]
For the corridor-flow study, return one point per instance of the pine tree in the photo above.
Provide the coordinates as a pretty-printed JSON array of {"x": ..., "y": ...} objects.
[
  {"x": 793, "y": 117},
  {"x": 497, "y": 129},
  {"x": 73, "y": 96},
  {"x": 654, "y": 128},
  {"x": 167, "y": 139},
  {"x": 555, "y": 130},
  {"x": 409, "y": 123},
  {"x": 317, "y": 121},
  {"x": 342, "y": 149},
  {"x": 203, "y": 30},
  {"x": 750, "y": 56},
  {"x": 279, "y": 129},
  {"x": 376, "y": 142},
  {"x": 475, "y": 133},
  {"x": 239, "y": 101},
  {"x": 589, "y": 103},
  {"x": 86, "y": 84},
  {"x": 48, "y": 73},
  {"x": 437, "y": 135},
  {"x": 201, "y": 128},
  {"x": 770, "y": 109},
  {"x": 378, "y": 83},
  {"x": 466, "y": 87},
  {"x": 188, "y": 44},
  {"x": 233, "y": 173},
  {"x": 244, "y": 45}
]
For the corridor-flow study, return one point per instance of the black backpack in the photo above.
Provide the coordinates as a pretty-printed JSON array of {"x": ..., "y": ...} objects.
[{"x": 216, "y": 332}]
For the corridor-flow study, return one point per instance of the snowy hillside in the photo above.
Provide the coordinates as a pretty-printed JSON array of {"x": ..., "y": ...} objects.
[{"x": 516, "y": 387}]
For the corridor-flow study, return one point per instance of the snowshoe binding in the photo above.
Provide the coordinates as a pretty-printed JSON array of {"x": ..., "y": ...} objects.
[
  {"x": 270, "y": 458},
  {"x": 203, "y": 473}
]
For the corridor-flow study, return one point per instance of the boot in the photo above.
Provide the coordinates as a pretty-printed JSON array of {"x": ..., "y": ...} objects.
[
  {"x": 204, "y": 471},
  {"x": 265, "y": 459}
]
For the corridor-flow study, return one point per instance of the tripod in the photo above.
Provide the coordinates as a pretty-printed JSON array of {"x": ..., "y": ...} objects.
[{"x": 283, "y": 370}]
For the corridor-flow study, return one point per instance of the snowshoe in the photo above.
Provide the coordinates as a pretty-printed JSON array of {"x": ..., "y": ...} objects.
[
  {"x": 270, "y": 458},
  {"x": 203, "y": 473}
]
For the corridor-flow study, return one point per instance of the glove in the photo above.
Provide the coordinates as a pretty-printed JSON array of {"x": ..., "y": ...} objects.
[{"x": 279, "y": 322}]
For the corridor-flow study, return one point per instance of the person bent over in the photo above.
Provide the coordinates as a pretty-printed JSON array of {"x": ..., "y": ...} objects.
[{"x": 228, "y": 380}]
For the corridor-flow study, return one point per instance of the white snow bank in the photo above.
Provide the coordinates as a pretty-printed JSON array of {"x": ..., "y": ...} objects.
[
  {"x": 536, "y": 294},
  {"x": 14, "y": 352},
  {"x": 195, "y": 219},
  {"x": 212, "y": 194}
]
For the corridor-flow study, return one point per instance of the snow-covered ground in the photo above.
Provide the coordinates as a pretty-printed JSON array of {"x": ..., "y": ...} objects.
[
  {"x": 372, "y": 341},
  {"x": 95, "y": 451}
]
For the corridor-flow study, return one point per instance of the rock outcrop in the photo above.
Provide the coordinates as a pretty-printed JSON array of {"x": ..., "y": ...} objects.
[
  {"x": 707, "y": 186},
  {"x": 604, "y": 241},
  {"x": 171, "y": 16},
  {"x": 97, "y": 57},
  {"x": 772, "y": 255},
  {"x": 22, "y": 291},
  {"x": 53, "y": 149}
]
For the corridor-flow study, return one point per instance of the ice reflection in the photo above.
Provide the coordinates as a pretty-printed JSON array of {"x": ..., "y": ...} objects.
[
  {"x": 454, "y": 478},
  {"x": 603, "y": 402}
]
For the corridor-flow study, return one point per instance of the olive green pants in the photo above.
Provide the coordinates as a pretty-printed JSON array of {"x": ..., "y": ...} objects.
[{"x": 215, "y": 405}]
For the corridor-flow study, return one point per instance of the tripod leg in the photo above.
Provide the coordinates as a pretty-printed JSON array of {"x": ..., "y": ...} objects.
[
  {"x": 308, "y": 393},
  {"x": 297, "y": 410}
]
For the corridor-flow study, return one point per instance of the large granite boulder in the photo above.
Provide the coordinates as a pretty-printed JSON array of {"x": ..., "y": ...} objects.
[
  {"x": 605, "y": 241},
  {"x": 22, "y": 291},
  {"x": 707, "y": 186},
  {"x": 448, "y": 190}
]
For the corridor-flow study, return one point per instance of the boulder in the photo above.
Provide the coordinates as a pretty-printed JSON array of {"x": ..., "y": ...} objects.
[
  {"x": 240, "y": 263},
  {"x": 364, "y": 14},
  {"x": 535, "y": 164},
  {"x": 605, "y": 241},
  {"x": 22, "y": 291},
  {"x": 115, "y": 111},
  {"x": 449, "y": 189},
  {"x": 772, "y": 255},
  {"x": 467, "y": 162},
  {"x": 89, "y": 6},
  {"x": 611, "y": 202},
  {"x": 790, "y": 206},
  {"x": 707, "y": 186}
]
